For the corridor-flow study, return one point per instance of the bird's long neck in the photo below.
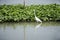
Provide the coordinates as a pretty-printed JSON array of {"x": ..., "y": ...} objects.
[{"x": 34, "y": 13}]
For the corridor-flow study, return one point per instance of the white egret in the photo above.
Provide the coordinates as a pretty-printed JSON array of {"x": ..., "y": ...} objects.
[{"x": 36, "y": 18}]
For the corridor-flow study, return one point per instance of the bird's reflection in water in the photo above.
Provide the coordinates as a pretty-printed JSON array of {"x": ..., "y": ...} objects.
[{"x": 37, "y": 26}]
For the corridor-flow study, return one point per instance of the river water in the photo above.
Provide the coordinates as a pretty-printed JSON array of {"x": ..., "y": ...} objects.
[{"x": 30, "y": 31}]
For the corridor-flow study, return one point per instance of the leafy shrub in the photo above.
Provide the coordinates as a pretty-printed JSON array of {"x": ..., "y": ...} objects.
[{"x": 19, "y": 13}]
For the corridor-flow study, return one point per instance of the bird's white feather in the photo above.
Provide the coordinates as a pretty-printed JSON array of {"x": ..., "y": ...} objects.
[{"x": 36, "y": 18}]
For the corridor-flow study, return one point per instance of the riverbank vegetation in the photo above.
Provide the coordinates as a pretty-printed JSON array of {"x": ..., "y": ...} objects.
[{"x": 16, "y": 13}]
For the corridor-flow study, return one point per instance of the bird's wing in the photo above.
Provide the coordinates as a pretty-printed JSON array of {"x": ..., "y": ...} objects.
[{"x": 38, "y": 19}]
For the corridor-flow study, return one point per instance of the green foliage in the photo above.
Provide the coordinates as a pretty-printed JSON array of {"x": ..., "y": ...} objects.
[{"x": 19, "y": 13}]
